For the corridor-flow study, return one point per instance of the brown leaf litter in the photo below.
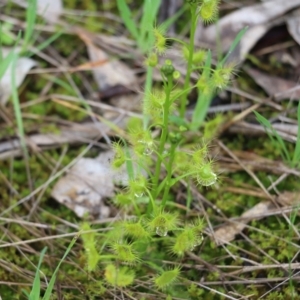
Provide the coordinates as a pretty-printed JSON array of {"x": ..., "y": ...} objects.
[
  {"x": 259, "y": 18},
  {"x": 288, "y": 202}
]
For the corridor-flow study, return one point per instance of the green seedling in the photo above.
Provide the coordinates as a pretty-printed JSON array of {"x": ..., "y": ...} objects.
[
  {"x": 278, "y": 142},
  {"x": 150, "y": 196},
  {"x": 154, "y": 156},
  {"x": 35, "y": 293}
]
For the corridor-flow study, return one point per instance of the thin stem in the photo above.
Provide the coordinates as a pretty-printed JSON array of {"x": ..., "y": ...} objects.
[
  {"x": 130, "y": 172},
  {"x": 169, "y": 172},
  {"x": 152, "y": 203},
  {"x": 136, "y": 208},
  {"x": 164, "y": 133},
  {"x": 189, "y": 63},
  {"x": 148, "y": 86}
]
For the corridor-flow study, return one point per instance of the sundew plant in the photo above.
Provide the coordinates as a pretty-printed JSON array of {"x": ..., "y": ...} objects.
[{"x": 153, "y": 230}]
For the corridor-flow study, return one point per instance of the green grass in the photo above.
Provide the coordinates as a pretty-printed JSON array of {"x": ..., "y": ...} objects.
[
  {"x": 35, "y": 292},
  {"x": 277, "y": 141},
  {"x": 292, "y": 160}
]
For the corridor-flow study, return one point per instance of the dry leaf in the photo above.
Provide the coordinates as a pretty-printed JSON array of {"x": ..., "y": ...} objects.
[
  {"x": 227, "y": 233},
  {"x": 288, "y": 132},
  {"x": 50, "y": 9},
  {"x": 23, "y": 65},
  {"x": 290, "y": 129},
  {"x": 111, "y": 73},
  {"x": 259, "y": 18},
  {"x": 88, "y": 183},
  {"x": 77, "y": 133},
  {"x": 84, "y": 187},
  {"x": 277, "y": 87},
  {"x": 293, "y": 25},
  {"x": 288, "y": 199},
  {"x": 107, "y": 72}
]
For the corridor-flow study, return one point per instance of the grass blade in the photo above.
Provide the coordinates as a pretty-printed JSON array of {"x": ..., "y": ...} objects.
[
  {"x": 234, "y": 44},
  {"x": 1, "y": 54},
  {"x": 47, "y": 42},
  {"x": 167, "y": 23},
  {"x": 9, "y": 58},
  {"x": 296, "y": 156},
  {"x": 36, "y": 288},
  {"x": 127, "y": 18},
  {"x": 5, "y": 63},
  {"x": 203, "y": 103},
  {"x": 16, "y": 104},
  {"x": 53, "y": 278},
  {"x": 30, "y": 22},
  {"x": 279, "y": 143},
  {"x": 146, "y": 37},
  {"x": 165, "y": 26}
]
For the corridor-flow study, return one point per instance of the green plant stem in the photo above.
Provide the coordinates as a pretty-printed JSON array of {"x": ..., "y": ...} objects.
[
  {"x": 169, "y": 175},
  {"x": 30, "y": 23},
  {"x": 189, "y": 63},
  {"x": 152, "y": 203},
  {"x": 164, "y": 133},
  {"x": 18, "y": 115},
  {"x": 148, "y": 86}
]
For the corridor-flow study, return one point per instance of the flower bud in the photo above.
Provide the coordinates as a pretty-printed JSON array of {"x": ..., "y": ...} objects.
[
  {"x": 168, "y": 69},
  {"x": 175, "y": 137},
  {"x": 152, "y": 60}
]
